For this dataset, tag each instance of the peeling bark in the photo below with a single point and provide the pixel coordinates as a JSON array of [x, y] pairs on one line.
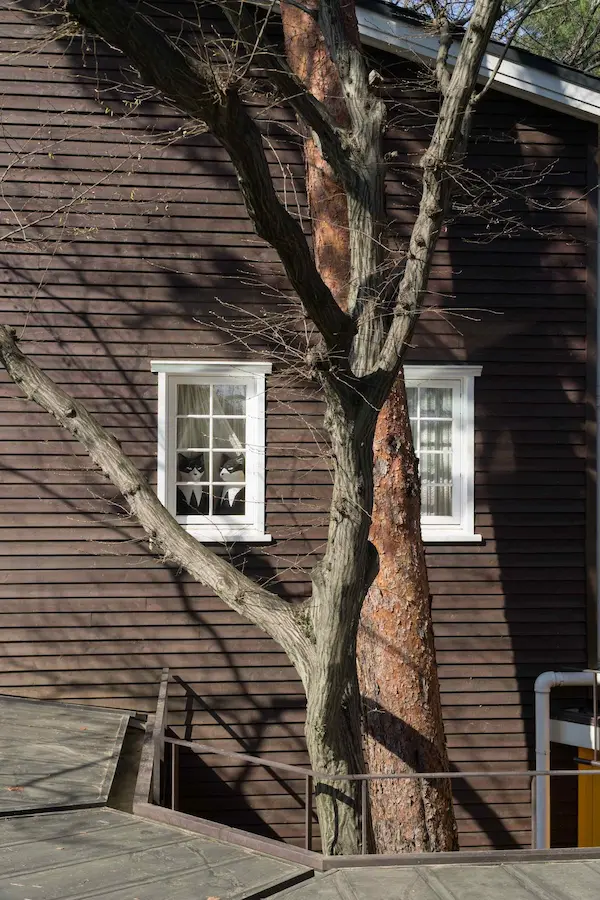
[[308, 58], [403, 726]]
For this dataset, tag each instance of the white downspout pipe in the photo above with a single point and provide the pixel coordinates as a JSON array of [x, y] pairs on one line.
[[543, 685]]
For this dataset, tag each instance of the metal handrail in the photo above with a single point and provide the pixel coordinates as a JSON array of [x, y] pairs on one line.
[[310, 775], [369, 776]]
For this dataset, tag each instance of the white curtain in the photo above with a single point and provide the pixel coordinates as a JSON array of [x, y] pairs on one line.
[[430, 411]]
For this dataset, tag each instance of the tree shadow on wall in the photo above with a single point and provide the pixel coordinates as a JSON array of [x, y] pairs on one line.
[[515, 605]]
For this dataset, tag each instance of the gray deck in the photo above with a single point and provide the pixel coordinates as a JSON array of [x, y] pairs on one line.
[[59, 841], [53, 755], [577, 880], [111, 855]]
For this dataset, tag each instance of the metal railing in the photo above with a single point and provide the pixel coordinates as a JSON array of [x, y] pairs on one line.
[[311, 777]]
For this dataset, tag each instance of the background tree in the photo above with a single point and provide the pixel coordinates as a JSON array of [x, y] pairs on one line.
[[567, 31], [363, 301]]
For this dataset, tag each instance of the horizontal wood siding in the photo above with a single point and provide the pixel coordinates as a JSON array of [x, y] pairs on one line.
[[122, 245]]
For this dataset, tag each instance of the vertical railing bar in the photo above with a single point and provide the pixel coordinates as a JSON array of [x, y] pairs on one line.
[[595, 717], [162, 736], [532, 793], [308, 791], [156, 767], [364, 815], [160, 724], [174, 761]]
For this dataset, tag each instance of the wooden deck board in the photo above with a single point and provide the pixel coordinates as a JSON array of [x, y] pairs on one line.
[[56, 755]]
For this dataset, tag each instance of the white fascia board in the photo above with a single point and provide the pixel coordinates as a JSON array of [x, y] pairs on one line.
[[575, 734], [545, 88], [418, 372], [210, 367]]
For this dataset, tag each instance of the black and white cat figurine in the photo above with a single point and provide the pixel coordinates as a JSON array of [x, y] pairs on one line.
[[233, 469], [192, 469]]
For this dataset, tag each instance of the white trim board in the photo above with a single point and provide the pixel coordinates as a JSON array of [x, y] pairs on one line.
[[575, 734]]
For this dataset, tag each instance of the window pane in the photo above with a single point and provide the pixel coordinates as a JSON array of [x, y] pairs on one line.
[[436, 468], [411, 396], [435, 435], [229, 500], [436, 402], [229, 433], [229, 399], [192, 467], [193, 433], [193, 399], [229, 467], [192, 500], [436, 501]]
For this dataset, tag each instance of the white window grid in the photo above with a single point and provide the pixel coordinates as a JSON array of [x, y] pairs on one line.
[[455, 440], [249, 527], [460, 525]]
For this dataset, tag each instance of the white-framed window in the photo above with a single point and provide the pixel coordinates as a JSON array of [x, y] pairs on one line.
[[441, 410], [211, 447]]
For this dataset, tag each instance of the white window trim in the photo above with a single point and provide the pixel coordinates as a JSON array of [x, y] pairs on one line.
[[172, 372], [460, 527]]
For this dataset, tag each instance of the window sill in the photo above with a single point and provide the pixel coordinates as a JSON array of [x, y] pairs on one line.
[[450, 537], [227, 535]]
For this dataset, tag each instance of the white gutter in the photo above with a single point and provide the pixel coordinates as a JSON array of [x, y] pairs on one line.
[[543, 685]]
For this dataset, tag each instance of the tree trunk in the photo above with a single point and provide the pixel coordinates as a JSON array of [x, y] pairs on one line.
[[340, 582], [333, 741], [309, 60], [403, 727], [410, 735]]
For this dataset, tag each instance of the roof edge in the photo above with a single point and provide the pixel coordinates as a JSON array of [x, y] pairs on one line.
[[519, 73]]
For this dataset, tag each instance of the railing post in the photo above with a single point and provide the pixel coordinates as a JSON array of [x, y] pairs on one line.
[[363, 807], [160, 723], [156, 766], [532, 794], [308, 792], [174, 776]]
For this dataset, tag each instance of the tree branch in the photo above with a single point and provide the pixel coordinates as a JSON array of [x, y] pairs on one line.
[[508, 40], [442, 70], [447, 148], [311, 110], [239, 592], [190, 83], [337, 20]]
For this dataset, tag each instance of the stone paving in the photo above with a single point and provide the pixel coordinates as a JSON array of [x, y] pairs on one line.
[[59, 840], [577, 880], [107, 854]]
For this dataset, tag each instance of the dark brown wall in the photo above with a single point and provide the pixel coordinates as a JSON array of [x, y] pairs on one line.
[[114, 247]]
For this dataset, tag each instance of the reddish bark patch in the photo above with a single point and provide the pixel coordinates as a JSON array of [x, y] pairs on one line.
[[404, 730]]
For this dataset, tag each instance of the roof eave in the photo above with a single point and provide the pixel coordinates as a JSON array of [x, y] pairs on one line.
[[514, 77]]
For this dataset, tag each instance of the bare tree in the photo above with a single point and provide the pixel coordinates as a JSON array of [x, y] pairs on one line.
[[364, 303], [565, 30]]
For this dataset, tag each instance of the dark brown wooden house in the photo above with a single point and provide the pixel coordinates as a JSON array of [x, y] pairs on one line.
[[127, 258]]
